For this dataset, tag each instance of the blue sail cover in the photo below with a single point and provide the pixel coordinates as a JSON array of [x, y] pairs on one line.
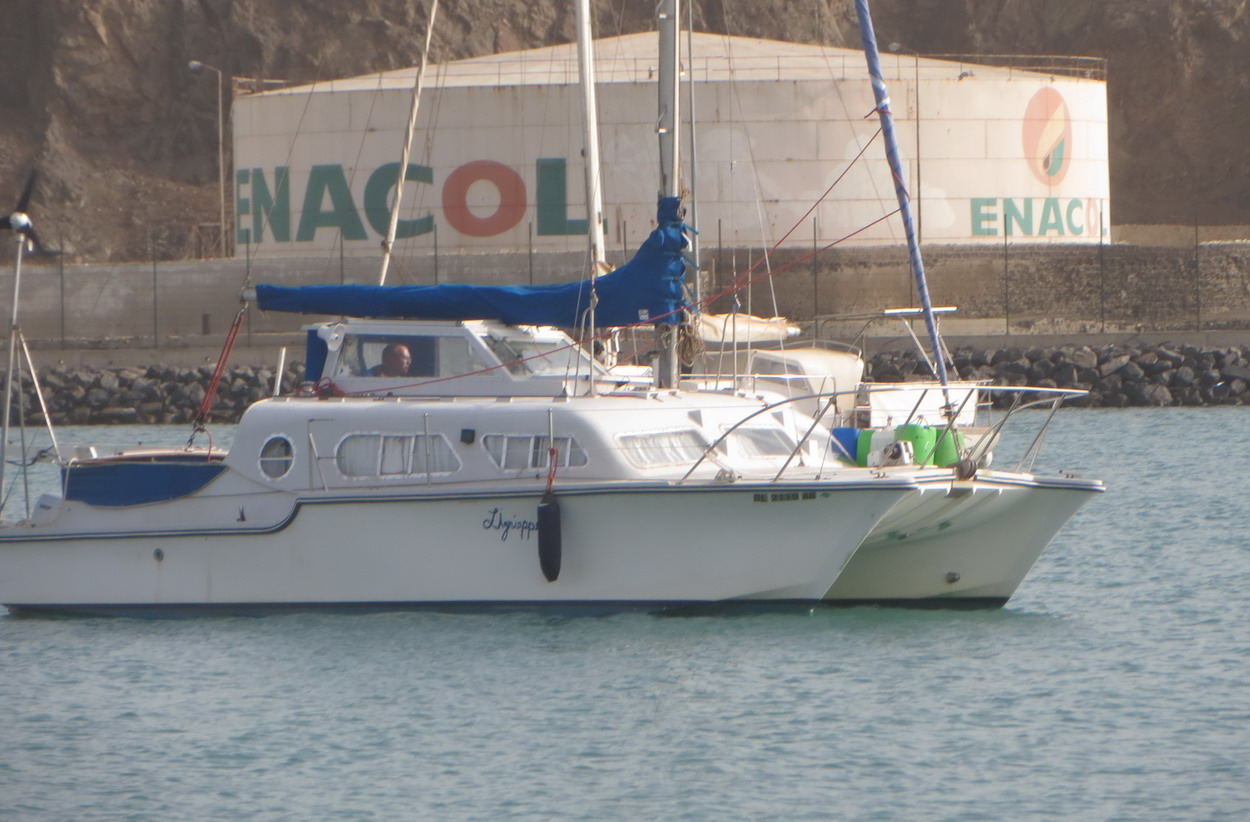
[[646, 289]]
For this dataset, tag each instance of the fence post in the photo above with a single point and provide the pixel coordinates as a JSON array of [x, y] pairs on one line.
[[815, 271], [1102, 275], [1197, 280], [155, 338], [60, 259], [1006, 285]]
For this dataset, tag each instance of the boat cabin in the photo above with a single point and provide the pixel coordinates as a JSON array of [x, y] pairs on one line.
[[468, 358]]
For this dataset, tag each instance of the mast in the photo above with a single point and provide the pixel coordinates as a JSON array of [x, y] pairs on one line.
[[882, 97], [403, 160], [590, 124], [669, 121], [668, 12], [590, 155], [693, 164]]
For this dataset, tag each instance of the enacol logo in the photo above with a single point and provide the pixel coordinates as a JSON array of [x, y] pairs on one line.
[[1048, 136], [1047, 132]]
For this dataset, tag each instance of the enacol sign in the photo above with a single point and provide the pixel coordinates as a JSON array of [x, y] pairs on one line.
[[263, 202], [1047, 145]]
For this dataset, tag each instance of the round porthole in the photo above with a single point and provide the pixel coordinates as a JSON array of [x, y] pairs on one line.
[[275, 457]]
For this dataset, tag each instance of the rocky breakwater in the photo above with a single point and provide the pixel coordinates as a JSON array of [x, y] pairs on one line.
[[1116, 376], [150, 396]]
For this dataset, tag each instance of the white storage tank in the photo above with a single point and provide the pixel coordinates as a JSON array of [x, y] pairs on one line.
[[993, 152]]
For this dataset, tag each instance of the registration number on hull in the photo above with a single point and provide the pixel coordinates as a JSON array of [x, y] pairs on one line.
[[786, 496]]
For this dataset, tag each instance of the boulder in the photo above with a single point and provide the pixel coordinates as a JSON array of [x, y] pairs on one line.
[[1083, 357], [1131, 372], [1113, 364], [1155, 394], [1183, 377]]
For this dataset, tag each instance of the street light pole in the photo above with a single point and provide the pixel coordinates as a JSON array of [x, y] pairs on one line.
[[197, 67]]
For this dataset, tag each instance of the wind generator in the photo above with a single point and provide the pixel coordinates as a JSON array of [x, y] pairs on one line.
[[19, 222]]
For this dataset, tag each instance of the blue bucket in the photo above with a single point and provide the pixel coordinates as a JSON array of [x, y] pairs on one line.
[[845, 443]]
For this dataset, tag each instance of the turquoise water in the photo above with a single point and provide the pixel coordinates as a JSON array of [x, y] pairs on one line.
[[1112, 687]]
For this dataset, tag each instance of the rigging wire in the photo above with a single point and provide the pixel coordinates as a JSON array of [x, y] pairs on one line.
[[393, 222], [730, 17]]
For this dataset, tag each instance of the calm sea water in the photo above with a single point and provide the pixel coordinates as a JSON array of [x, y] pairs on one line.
[[1112, 687]]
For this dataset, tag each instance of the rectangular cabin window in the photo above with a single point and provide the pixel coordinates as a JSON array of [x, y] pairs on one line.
[[763, 365], [662, 448], [759, 443], [357, 455], [433, 455], [456, 357], [518, 452], [410, 356], [395, 455], [395, 452], [524, 356], [568, 452]]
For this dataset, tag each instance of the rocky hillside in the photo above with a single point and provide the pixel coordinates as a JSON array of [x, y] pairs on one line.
[[97, 95]]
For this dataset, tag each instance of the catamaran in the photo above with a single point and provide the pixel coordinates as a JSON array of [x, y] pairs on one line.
[[538, 480], [504, 467]]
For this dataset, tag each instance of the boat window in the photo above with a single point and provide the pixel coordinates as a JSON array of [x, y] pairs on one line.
[[658, 448], [456, 356], [525, 356], [517, 452], [362, 355], [780, 368], [357, 455], [433, 455], [275, 457], [391, 455], [429, 355], [394, 457], [759, 443]]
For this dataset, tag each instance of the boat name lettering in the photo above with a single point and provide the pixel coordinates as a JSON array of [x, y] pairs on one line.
[[787, 496], [496, 521]]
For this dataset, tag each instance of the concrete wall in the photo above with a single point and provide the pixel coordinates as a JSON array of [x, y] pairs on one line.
[[1017, 288], [1012, 289]]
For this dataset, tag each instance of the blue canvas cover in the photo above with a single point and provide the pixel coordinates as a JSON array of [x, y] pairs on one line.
[[115, 484], [646, 289], [315, 356]]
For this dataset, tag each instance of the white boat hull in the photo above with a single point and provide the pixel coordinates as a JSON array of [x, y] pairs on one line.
[[634, 546], [969, 544]]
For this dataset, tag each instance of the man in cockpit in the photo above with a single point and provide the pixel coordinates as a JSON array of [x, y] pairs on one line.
[[396, 360]]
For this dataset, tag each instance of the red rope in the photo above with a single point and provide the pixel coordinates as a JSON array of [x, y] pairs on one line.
[[552, 454], [210, 395]]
